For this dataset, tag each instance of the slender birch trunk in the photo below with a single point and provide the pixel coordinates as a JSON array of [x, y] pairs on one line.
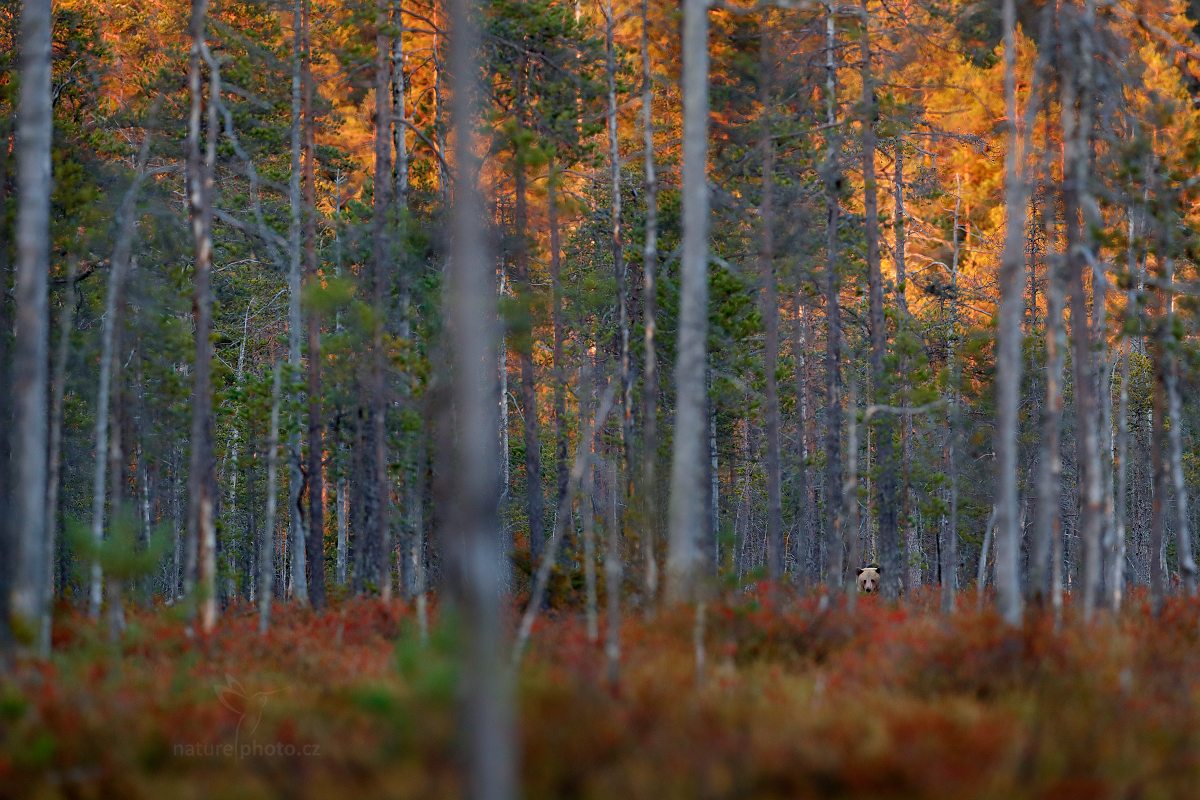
[[201, 478], [561, 433], [889, 535], [1008, 347], [202, 401], [770, 305], [589, 568], [1047, 525], [382, 289], [315, 539], [1076, 131], [650, 324], [535, 502], [400, 108], [949, 544], [35, 124], [1116, 577], [850, 493], [1183, 541], [343, 539], [587, 509], [612, 582], [833, 347], [1158, 511], [116, 462], [296, 535], [713, 517], [487, 732], [1106, 363], [418, 543], [803, 491], [266, 553], [907, 434], [619, 268], [686, 512], [58, 381]]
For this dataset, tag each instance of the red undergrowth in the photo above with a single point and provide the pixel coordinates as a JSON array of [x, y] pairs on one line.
[[794, 702]]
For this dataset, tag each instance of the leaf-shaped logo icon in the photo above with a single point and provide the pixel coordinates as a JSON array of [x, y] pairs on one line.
[[249, 707]]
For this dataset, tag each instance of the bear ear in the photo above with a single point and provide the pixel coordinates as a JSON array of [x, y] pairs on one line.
[[860, 571], [879, 570]]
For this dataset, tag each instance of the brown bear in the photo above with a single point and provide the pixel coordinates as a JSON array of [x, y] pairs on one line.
[[868, 579]]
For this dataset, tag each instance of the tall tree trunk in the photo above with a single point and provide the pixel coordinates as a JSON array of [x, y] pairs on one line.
[[1159, 472], [1008, 346], [400, 108], [296, 538], [201, 475], [487, 716], [770, 302], [529, 409], [127, 222], [587, 510], [561, 434], [713, 517], [949, 543], [833, 317], [420, 587], [381, 257], [850, 494], [1116, 576], [1183, 540], [202, 403], [686, 511], [315, 550], [34, 133], [803, 491], [266, 552], [618, 254], [907, 435], [8, 531], [116, 469], [1046, 527], [343, 539], [612, 581], [889, 536], [360, 493], [58, 381], [650, 323], [1076, 131]]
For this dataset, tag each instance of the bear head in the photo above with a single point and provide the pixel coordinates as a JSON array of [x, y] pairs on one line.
[[868, 579]]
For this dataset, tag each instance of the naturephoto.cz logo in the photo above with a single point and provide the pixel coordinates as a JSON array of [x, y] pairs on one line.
[[248, 708]]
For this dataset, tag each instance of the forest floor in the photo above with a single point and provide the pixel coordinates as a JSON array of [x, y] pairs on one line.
[[794, 702]]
